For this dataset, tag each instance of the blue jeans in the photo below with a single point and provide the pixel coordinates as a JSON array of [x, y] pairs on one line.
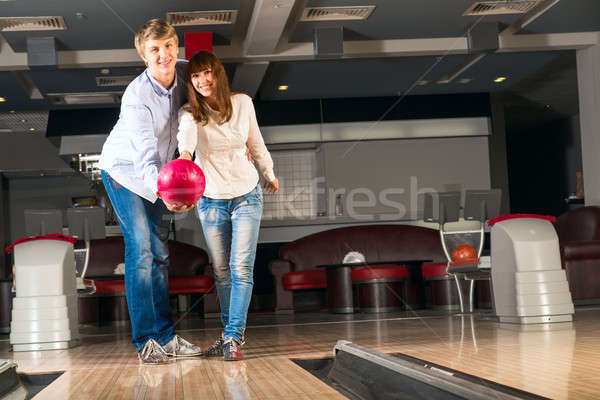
[[145, 228], [231, 231]]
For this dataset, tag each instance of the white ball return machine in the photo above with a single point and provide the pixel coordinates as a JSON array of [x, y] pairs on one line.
[[45, 315], [528, 281], [528, 284]]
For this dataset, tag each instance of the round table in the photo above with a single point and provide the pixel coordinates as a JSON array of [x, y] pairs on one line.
[[340, 299]]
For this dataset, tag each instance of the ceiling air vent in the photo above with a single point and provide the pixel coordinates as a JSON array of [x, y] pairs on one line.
[[15, 24], [336, 13], [124, 80], [85, 98], [193, 18], [501, 7]]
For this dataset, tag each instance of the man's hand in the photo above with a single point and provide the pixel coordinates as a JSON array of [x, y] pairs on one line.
[[175, 208], [178, 209], [271, 187]]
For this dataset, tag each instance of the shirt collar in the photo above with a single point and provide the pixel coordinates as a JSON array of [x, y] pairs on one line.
[[158, 88]]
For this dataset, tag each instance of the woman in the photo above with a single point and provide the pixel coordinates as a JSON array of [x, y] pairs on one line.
[[218, 125]]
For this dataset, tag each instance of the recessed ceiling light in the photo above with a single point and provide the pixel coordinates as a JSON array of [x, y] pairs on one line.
[[283, 87], [464, 80], [32, 129], [105, 71], [23, 120], [500, 79], [422, 83], [2, 99], [12, 111]]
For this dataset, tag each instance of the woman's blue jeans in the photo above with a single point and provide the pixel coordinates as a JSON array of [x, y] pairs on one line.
[[231, 231], [145, 228]]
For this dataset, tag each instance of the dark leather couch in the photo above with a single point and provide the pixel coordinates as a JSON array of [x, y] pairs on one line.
[[579, 236], [189, 273], [295, 269]]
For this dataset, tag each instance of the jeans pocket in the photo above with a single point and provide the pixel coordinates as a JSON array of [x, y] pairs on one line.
[[202, 203], [258, 193]]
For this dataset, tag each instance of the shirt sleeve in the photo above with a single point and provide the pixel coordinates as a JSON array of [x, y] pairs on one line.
[[256, 144], [187, 134], [144, 144]]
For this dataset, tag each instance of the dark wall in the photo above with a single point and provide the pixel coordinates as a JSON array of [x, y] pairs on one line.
[[295, 112], [543, 153]]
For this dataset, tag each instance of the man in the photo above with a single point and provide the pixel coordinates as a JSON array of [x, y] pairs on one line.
[[142, 141]]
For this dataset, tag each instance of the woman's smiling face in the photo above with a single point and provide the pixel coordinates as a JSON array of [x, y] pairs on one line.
[[204, 82]]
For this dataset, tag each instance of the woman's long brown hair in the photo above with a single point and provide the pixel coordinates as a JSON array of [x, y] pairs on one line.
[[201, 61]]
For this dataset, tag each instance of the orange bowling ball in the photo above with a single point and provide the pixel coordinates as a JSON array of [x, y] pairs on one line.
[[463, 253]]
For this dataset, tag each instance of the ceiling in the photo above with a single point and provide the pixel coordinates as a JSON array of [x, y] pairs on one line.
[[405, 47]]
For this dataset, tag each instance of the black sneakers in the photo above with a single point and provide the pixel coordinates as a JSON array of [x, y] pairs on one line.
[[216, 349]]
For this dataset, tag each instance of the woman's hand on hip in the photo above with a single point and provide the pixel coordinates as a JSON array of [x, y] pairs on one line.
[[249, 155], [271, 187]]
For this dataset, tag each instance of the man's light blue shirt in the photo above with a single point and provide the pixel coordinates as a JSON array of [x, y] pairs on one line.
[[145, 136]]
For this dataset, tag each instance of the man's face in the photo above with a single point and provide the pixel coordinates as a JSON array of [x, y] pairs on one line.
[[160, 55]]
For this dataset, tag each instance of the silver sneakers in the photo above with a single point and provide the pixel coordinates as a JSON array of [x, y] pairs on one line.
[[179, 347], [153, 353]]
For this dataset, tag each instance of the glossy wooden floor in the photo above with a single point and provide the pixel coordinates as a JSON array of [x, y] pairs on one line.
[[560, 361]]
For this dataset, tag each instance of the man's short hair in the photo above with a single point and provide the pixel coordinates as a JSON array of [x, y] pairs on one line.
[[154, 29]]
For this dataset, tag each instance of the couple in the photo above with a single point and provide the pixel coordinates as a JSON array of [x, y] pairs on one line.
[[173, 102]]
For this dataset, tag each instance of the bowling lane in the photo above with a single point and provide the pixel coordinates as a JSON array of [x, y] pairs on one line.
[[558, 361]]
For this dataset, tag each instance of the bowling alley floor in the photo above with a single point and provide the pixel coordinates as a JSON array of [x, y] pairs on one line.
[[558, 361]]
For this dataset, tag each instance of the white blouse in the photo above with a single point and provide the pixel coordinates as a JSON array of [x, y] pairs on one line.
[[221, 149]]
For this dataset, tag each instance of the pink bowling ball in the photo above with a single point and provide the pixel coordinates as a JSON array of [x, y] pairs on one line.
[[181, 183]]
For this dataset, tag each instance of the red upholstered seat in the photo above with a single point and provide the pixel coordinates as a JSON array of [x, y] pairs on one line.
[[434, 270], [109, 286], [379, 272], [190, 284], [177, 285], [310, 279]]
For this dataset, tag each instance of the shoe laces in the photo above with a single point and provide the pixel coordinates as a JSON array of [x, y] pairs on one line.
[[181, 342], [151, 347]]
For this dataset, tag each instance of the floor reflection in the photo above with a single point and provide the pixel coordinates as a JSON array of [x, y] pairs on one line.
[[236, 380], [538, 353]]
